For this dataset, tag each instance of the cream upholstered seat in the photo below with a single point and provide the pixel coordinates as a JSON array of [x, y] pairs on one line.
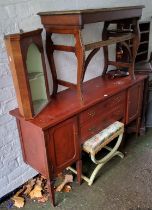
[[95, 144], [99, 141]]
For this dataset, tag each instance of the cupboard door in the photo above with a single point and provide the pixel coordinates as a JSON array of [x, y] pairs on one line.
[[63, 144], [134, 101]]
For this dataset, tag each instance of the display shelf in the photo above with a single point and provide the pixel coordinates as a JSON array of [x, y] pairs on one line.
[[142, 53], [144, 32]]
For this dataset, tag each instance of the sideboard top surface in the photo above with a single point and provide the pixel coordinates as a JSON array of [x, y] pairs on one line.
[[67, 103], [81, 17]]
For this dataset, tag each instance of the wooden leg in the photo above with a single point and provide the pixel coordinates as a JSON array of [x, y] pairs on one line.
[[105, 48], [89, 58], [49, 52], [135, 45], [80, 55], [51, 191], [138, 126], [79, 93], [79, 170]]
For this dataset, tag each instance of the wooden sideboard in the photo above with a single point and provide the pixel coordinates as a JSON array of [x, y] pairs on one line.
[[52, 141]]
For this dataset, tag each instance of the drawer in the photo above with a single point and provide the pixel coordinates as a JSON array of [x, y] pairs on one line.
[[105, 106], [99, 123]]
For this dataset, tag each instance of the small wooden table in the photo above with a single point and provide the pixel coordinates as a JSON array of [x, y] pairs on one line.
[[72, 22]]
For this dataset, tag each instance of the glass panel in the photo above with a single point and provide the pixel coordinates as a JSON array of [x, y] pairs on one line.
[[36, 78]]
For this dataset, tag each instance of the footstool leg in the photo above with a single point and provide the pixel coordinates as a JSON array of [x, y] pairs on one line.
[[120, 154], [94, 173], [79, 170], [100, 163]]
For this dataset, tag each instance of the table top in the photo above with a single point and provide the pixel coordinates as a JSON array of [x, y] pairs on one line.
[[77, 18], [85, 11]]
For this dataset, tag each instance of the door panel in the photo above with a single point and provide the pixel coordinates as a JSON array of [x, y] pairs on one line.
[[134, 100], [64, 144]]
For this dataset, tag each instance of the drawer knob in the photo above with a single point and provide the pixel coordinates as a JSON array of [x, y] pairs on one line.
[[93, 130]]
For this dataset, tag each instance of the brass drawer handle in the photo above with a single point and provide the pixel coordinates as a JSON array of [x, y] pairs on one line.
[[92, 114], [92, 129]]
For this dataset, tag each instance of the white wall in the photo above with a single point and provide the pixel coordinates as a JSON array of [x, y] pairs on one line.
[[21, 14]]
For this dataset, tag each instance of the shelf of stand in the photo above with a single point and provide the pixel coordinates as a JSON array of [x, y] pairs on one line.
[[144, 32], [35, 75], [144, 42], [110, 41], [143, 52]]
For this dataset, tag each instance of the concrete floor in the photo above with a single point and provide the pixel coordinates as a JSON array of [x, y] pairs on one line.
[[121, 185]]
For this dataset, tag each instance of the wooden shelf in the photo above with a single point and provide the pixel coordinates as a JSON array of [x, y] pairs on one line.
[[144, 32], [141, 43], [143, 52], [35, 75], [144, 42], [110, 41]]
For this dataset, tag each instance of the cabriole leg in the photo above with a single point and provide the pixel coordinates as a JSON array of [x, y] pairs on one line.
[[51, 191], [79, 170]]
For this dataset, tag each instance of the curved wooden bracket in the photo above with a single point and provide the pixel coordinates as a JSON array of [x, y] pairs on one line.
[[128, 48], [105, 48], [90, 56], [49, 52]]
